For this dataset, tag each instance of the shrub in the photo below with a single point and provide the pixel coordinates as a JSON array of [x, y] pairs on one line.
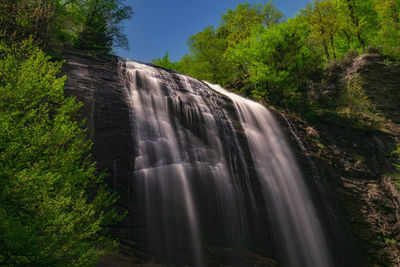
[[52, 200], [354, 102]]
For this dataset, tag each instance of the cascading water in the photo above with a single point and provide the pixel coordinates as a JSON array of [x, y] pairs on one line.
[[210, 173], [282, 184]]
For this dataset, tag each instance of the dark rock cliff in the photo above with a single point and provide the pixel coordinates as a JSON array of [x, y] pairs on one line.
[[354, 163], [381, 83], [95, 82], [353, 191]]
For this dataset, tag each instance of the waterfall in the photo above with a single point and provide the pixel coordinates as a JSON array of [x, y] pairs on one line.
[[282, 184], [212, 172]]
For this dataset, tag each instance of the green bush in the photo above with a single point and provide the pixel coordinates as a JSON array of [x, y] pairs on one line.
[[52, 200], [355, 102], [396, 176]]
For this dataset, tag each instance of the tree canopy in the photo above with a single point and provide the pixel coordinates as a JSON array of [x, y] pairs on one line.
[[85, 24], [258, 53], [52, 200]]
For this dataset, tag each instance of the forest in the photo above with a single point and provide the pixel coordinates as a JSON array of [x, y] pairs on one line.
[[55, 206], [258, 53]]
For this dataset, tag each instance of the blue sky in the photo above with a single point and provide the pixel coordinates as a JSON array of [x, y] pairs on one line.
[[165, 25]]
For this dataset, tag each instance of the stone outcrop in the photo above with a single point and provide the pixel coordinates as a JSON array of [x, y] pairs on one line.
[[381, 83]]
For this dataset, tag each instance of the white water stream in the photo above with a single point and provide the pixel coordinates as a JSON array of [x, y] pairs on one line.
[[194, 179]]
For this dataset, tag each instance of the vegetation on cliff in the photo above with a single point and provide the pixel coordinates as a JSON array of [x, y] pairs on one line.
[[396, 177], [54, 206]]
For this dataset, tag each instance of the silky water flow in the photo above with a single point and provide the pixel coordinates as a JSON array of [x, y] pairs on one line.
[[212, 170]]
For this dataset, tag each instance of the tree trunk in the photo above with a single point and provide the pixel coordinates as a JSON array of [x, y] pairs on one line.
[[395, 9], [326, 51], [333, 47], [361, 40], [356, 24]]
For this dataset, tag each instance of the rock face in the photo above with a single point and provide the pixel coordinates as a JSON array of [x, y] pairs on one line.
[[381, 82], [354, 163], [345, 168], [353, 167], [95, 82]]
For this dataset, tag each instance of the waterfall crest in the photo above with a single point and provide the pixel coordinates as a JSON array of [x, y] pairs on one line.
[[212, 170]]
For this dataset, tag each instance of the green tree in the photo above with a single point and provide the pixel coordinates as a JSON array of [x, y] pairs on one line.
[[237, 26], [101, 29], [321, 17], [210, 49], [87, 24], [52, 201], [20, 19], [280, 60], [206, 51], [389, 33], [359, 19], [239, 22], [165, 62]]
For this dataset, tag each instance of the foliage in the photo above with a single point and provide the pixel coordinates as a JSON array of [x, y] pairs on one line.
[[397, 152], [321, 17], [210, 49], [165, 62], [20, 19], [279, 61], [256, 52], [238, 23], [359, 20], [52, 201], [396, 176], [207, 49], [101, 27], [354, 101], [388, 36], [85, 24]]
